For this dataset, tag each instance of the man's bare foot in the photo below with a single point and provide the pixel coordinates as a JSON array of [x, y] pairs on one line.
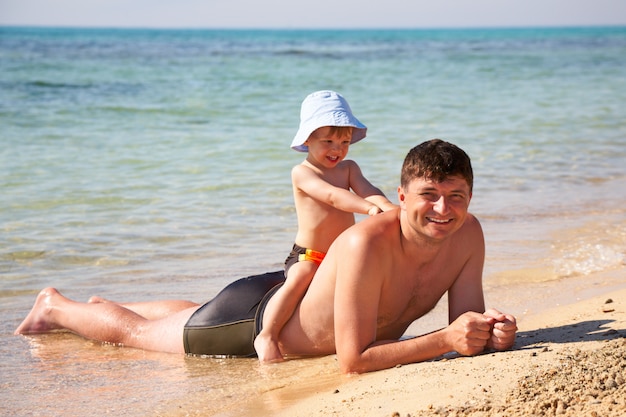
[[38, 320], [96, 299]]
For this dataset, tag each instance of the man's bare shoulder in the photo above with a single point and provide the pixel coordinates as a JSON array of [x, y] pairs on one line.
[[472, 225], [469, 239], [379, 230]]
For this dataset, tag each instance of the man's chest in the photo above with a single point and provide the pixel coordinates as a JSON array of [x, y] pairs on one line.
[[413, 297]]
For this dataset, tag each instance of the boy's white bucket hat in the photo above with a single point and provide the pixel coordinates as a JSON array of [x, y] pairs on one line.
[[325, 108]]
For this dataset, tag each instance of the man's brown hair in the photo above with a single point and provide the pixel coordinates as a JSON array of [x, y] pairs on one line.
[[436, 160]]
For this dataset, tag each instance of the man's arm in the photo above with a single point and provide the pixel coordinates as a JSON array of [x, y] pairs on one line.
[[360, 280], [466, 294], [357, 298]]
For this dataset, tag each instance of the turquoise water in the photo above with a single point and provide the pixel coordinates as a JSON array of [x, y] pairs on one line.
[[143, 164]]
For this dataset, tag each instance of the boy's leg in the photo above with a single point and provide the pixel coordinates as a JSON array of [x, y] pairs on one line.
[[106, 322], [280, 308]]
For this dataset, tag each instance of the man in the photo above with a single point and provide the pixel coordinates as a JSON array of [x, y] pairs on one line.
[[377, 278]]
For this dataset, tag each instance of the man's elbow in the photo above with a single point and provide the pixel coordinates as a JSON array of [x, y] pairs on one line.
[[352, 365], [351, 370]]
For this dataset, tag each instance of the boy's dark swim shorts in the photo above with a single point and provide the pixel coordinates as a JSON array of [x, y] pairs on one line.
[[228, 324], [299, 254]]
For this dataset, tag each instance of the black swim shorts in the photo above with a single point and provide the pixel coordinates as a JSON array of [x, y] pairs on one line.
[[228, 324]]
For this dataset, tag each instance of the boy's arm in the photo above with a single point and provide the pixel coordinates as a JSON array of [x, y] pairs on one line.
[[381, 202], [311, 184], [365, 189]]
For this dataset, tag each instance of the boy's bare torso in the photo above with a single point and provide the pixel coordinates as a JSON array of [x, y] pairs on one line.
[[318, 222]]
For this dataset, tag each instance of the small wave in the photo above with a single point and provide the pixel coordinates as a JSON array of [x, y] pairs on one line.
[[22, 255], [587, 258], [49, 84], [521, 276]]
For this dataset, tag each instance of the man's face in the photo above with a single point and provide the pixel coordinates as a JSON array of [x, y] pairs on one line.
[[435, 210]]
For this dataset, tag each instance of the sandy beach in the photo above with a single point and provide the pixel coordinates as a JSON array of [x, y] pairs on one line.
[[568, 361]]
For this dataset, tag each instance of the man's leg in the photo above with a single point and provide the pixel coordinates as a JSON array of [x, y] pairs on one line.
[[151, 310], [105, 322]]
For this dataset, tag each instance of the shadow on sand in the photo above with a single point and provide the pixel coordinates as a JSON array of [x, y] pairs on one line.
[[584, 331]]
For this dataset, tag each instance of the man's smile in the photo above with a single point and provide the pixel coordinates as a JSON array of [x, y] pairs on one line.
[[439, 221]]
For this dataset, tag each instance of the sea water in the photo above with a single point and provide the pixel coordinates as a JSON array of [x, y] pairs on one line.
[[150, 164]]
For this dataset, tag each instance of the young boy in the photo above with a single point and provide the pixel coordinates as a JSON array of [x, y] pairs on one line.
[[328, 190]]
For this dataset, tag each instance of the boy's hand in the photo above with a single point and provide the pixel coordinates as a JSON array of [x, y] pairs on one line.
[[374, 211]]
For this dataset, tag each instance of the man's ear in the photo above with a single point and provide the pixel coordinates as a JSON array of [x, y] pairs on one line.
[[401, 196]]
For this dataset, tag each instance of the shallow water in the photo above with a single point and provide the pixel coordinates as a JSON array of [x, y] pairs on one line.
[[140, 165]]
